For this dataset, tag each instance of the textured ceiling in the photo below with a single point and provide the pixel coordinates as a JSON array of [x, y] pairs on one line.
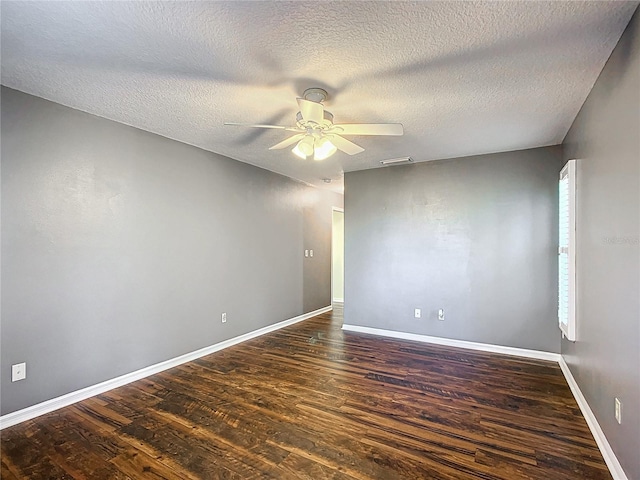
[[463, 78]]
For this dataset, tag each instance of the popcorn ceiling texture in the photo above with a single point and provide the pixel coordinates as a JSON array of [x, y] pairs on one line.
[[464, 78]]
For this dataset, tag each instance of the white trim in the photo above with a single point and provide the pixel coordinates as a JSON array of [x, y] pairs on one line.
[[601, 440], [568, 172], [34, 411], [609, 456], [340, 210], [485, 347], [603, 444]]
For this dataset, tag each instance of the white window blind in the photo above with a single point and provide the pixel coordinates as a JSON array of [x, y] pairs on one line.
[[567, 251]]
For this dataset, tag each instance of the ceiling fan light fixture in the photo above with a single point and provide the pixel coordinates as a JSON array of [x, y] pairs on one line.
[[298, 153], [315, 133], [306, 145], [324, 149]]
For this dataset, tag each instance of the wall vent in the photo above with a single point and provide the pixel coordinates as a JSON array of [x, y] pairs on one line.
[[397, 161]]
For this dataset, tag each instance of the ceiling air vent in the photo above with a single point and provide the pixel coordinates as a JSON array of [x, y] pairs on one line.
[[397, 161]]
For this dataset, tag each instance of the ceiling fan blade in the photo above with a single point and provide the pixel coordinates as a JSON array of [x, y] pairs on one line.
[[289, 141], [279, 127], [345, 145], [311, 111], [369, 129]]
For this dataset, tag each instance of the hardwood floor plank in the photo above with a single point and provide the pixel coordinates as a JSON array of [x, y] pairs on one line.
[[313, 402], [8, 471], [297, 466], [137, 464]]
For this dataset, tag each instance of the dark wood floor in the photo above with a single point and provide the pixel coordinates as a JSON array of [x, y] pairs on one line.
[[312, 402]]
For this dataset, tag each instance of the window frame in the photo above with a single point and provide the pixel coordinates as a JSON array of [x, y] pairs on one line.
[[567, 319]]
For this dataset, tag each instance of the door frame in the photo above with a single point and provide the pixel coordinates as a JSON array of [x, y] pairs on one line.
[[341, 210]]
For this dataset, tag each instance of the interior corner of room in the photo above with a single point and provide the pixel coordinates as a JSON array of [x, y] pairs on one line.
[[125, 252]]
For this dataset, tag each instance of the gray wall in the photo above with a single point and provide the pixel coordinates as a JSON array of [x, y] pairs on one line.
[[476, 236], [605, 138], [121, 248]]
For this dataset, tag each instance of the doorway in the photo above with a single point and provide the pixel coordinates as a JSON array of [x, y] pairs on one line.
[[337, 255]]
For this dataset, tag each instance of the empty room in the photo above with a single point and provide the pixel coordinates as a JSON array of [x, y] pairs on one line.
[[320, 240]]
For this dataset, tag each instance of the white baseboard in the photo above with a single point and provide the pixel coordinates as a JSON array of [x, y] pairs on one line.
[[34, 411], [338, 300], [70, 398], [485, 347], [603, 444], [607, 452]]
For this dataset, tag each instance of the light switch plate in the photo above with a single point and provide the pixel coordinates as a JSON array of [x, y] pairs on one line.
[[618, 410]]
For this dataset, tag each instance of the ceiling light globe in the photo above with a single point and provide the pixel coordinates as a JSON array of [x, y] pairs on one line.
[[306, 145], [324, 149], [298, 153]]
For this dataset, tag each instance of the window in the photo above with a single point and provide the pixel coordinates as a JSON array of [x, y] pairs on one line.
[[567, 251]]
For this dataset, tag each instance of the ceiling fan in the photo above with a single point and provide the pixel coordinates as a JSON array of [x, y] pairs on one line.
[[317, 135]]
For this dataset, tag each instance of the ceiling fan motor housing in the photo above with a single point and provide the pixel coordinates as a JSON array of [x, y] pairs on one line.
[[326, 123]]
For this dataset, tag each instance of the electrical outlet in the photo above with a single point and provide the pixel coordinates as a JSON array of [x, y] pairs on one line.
[[306, 253], [618, 411], [441, 314], [224, 317], [18, 372], [417, 313], [311, 253]]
